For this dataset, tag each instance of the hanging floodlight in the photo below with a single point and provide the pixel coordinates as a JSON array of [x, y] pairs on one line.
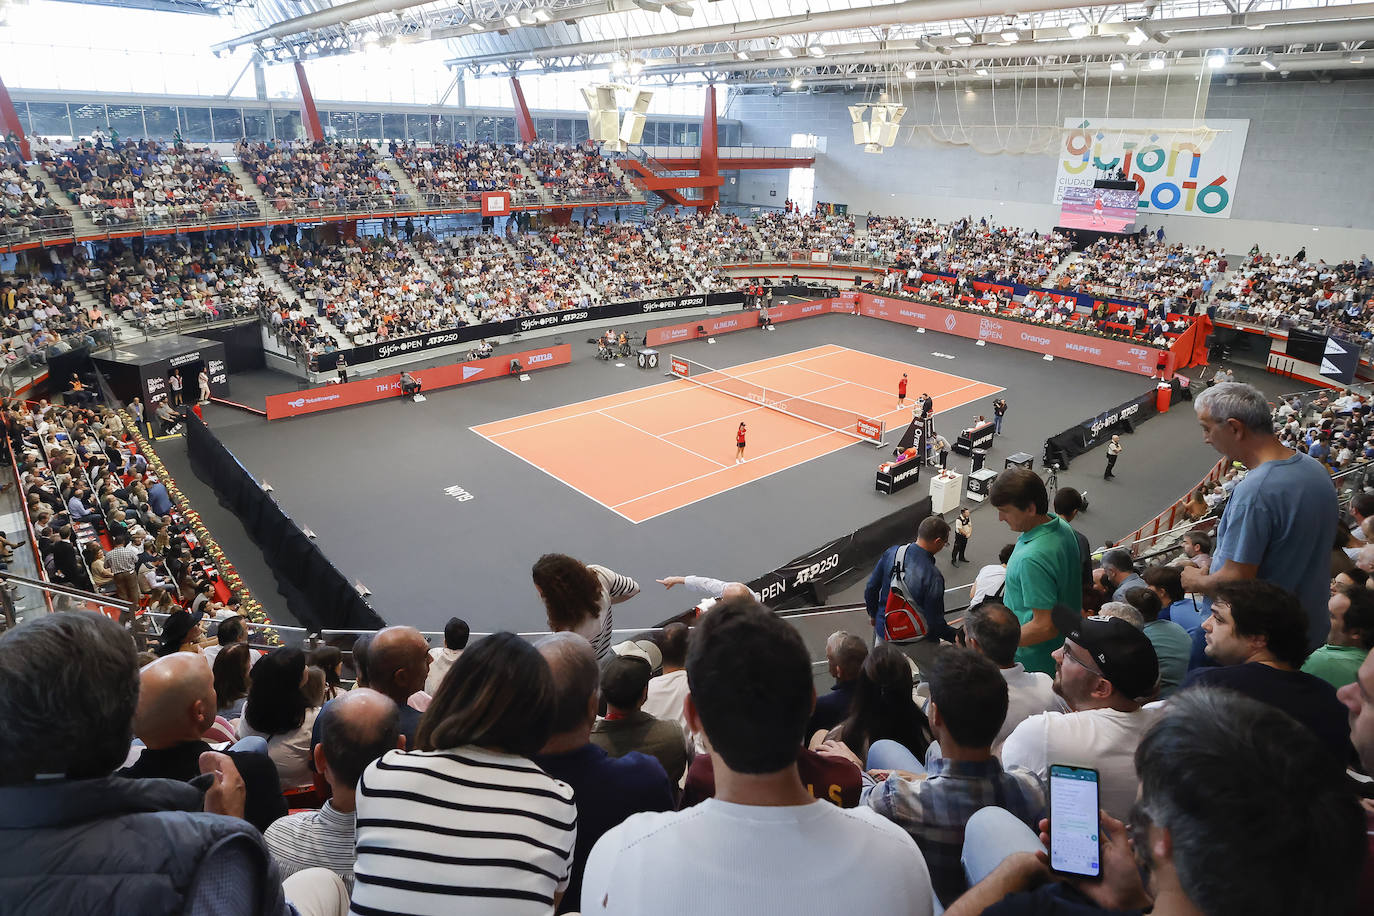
[[879, 130]]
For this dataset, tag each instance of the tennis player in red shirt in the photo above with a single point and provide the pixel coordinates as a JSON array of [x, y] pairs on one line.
[[901, 392], [739, 444]]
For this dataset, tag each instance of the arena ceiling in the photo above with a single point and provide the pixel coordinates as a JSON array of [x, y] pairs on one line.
[[826, 42]]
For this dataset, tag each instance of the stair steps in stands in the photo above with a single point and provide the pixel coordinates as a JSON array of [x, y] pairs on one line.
[[80, 220], [276, 281], [403, 183], [247, 182]]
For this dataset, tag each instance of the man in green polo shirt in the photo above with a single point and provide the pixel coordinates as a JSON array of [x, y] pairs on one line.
[[1045, 566], [1351, 637]]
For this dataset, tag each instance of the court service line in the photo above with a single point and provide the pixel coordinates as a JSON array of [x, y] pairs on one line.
[[663, 394], [539, 467], [661, 439], [775, 451], [759, 407], [892, 392], [887, 359]]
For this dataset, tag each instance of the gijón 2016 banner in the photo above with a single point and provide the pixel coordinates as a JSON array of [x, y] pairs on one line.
[[1180, 167]]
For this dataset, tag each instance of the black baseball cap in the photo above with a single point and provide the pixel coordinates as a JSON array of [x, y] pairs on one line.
[[1123, 654]]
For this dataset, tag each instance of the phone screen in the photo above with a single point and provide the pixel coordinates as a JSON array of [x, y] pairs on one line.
[[1075, 847]]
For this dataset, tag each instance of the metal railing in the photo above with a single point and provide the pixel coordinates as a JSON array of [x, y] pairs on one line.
[[22, 597]]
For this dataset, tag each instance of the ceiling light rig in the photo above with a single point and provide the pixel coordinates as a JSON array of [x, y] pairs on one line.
[[879, 130]]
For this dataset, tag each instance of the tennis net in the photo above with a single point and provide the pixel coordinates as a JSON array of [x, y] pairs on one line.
[[833, 418]]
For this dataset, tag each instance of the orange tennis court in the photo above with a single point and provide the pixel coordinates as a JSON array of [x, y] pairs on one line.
[[649, 451]]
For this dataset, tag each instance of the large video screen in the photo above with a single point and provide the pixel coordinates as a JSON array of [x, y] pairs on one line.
[[1100, 209]]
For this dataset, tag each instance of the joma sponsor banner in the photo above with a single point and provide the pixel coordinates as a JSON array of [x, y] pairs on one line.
[[328, 397]]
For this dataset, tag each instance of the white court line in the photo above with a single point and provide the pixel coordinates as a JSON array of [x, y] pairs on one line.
[[661, 439], [888, 359], [675, 388], [726, 468], [761, 407], [565, 483]]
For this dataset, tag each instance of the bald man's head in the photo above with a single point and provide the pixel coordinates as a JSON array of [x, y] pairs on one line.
[[576, 677], [355, 730], [735, 590], [176, 700], [398, 662]]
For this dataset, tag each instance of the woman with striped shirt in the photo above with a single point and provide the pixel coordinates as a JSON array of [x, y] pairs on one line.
[[578, 597], [467, 823]]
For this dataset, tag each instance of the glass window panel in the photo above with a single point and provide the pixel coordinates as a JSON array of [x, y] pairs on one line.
[[255, 123], [486, 129], [563, 130], [195, 125], [161, 121], [544, 128], [441, 128], [505, 130], [288, 125], [417, 127], [393, 126], [731, 133], [86, 118], [47, 119], [128, 120], [462, 128], [344, 124], [580, 131], [369, 125], [227, 123]]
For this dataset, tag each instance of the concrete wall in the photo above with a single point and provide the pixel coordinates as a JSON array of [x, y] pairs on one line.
[[1302, 165]]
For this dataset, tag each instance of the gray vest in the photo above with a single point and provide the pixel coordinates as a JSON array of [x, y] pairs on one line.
[[114, 846]]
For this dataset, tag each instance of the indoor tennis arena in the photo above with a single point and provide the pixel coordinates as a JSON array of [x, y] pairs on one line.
[[535, 386]]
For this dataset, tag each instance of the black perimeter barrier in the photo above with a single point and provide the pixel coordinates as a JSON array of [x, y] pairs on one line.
[[1124, 418], [806, 580], [325, 362], [318, 595]]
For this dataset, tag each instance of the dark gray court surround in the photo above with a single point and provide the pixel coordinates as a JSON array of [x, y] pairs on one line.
[[373, 481]]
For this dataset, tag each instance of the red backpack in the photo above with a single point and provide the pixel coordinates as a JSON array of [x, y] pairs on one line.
[[903, 619]]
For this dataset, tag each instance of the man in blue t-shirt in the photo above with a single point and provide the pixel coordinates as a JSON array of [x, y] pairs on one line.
[[1280, 521]]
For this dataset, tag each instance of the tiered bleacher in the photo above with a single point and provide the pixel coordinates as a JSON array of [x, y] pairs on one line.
[[1271, 290], [162, 284], [300, 176], [574, 173], [148, 182], [458, 174], [25, 207]]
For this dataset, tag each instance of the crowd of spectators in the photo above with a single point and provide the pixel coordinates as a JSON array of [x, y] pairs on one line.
[[572, 173], [1178, 277], [1338, 431], [152, 284], [147, 182], [40, 316], [451, 174], [301, 176], [1276, 290], [25, 207]]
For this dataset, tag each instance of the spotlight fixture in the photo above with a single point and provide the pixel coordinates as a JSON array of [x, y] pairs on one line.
[[1136, 36], [1156, 63], [513, 20], [1216, 60], [1267, 62], [964, 39], [1080, 30], [636, 67], [816, 50], [619, 67], [1356, 58], [542, 15], [796, 82], [981, 71], [784, 51], [1011, 36], [1118, 66], [681, 9], [527, 18], [910, 73], [477, 27], [741, 54]]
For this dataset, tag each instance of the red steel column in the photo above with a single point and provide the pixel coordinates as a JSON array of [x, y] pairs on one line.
[[9, 120], [523, 122], [309, 115], [710, 153]]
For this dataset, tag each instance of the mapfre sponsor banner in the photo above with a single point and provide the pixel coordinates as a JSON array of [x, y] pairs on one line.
[[794, 310], [1179, 168], [329, 397], [709, 325], [1082, 348]]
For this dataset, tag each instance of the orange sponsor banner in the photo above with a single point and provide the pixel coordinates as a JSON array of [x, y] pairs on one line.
[[706, 326], [330, 397]]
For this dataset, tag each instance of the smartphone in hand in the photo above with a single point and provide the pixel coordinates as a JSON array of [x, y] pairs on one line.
[[1075, 832]]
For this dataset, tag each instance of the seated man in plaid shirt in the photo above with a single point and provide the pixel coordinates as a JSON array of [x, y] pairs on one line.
[[933, 802]]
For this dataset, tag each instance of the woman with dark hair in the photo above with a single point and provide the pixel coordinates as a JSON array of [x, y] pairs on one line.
[[180, 633], [329, 660], [232, 677], [276, 710], [883, 707], [578, 597], [470, 770]]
